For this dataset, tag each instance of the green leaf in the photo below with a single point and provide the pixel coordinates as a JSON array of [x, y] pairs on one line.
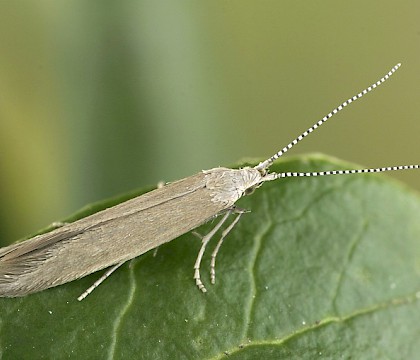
[[321, 268]]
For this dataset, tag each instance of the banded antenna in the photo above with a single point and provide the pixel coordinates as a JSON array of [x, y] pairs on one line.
[[262, 166]]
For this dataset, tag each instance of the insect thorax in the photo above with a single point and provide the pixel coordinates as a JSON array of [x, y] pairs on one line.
[[229, 185]]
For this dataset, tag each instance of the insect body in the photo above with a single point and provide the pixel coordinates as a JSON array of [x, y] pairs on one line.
[[122, 232]]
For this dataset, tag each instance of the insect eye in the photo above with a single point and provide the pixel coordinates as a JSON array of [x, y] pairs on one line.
[[250, 190]]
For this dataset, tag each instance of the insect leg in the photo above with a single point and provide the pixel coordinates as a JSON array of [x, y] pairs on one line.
[[205, 240], [58, 224], [239, 213], [99, 281]]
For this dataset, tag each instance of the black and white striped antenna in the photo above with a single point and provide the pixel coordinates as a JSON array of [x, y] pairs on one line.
[[264, 165]]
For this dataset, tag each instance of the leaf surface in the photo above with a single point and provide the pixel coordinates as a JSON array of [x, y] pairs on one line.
[[320, 268]]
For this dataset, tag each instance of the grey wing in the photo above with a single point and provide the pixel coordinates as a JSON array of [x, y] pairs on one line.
[[21, 257], [116, 234]]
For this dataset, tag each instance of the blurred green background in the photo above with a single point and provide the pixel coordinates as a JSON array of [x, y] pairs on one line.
[[101, 97]]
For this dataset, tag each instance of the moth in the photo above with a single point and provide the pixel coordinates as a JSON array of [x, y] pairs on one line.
[[115, 235]]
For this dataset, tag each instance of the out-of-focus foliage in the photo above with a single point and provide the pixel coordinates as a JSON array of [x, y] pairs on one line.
[[98, 98]]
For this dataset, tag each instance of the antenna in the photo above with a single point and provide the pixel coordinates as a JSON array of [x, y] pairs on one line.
[[267, 163], [274, 176]]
